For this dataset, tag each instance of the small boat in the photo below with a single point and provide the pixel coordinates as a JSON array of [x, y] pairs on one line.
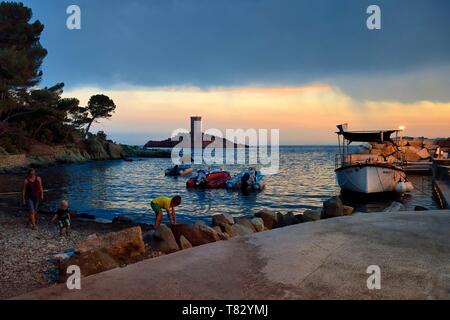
[[248, 179], [371, 175], [179, 171], [209, 180]]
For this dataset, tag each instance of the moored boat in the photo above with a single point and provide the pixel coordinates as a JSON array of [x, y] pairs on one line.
[[179, 170], [368, 174], [248, 179], [209, 180]]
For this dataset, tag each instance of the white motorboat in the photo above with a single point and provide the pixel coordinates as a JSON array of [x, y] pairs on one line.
[[359, 173]]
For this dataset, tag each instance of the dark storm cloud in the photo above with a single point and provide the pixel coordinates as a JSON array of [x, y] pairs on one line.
[[245, 42]]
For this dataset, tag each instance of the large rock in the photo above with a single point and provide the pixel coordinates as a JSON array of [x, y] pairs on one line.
[[376, 152], [416, 143], [269, 217], [96, 149], [311, 215], [184, 243], [332, 208], [89, 262], [221, 219], [123, 246], [258, 224], [208, 232], [424, 154], [246, 223], [162, 239], [388, 151], [115, 151], [287, 219], [228, 230], [240, 230], [197, 236]]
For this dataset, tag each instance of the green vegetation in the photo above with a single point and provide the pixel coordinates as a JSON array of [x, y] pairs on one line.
[[29, 114]]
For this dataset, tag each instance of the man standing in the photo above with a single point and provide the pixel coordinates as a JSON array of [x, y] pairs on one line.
[[32, 194]]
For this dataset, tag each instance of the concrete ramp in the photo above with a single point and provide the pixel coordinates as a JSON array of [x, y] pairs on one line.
[[319, 260]]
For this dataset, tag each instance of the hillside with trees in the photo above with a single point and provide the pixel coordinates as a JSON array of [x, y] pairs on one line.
[[37, 121]]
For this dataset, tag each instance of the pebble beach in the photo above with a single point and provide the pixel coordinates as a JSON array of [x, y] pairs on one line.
[[26, 262]]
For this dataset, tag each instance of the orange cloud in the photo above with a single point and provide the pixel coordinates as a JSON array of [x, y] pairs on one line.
[[306, 114]]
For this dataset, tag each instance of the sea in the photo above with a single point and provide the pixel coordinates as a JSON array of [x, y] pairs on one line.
[[106, 189]]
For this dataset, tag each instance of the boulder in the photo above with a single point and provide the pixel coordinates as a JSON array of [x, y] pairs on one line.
[[258, 224], [247, 223], [416, 143], [332, 208], [208, 232], [122, 219], [269, 217], [184, 243], [348, 210], [376, 152], [394, 207], [287, 219], [378, 146], [90, 262], [228, 230], [311, 215], [388, 151], [115, 151], [218, 229], [424, 154], [123, 246], [195, 235], [199, 223], [221, 219], [162, 239], [240, 230]]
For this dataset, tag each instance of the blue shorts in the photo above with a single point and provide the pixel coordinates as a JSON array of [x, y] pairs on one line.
[[32, 205]]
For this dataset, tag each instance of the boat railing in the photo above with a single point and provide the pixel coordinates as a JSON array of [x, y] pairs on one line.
[[355, 159]]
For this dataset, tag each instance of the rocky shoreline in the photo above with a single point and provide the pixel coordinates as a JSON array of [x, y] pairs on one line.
[[34, 259], [42, 155]]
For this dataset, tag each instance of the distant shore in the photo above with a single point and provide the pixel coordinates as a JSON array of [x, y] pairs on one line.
[[41, 155]]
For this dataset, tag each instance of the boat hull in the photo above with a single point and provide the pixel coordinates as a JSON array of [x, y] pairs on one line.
[[369, 178]]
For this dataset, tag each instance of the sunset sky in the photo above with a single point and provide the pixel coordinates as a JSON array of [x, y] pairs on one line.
[[298, 66]]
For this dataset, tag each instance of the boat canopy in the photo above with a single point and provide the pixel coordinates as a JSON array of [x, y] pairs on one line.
[[368, 136]]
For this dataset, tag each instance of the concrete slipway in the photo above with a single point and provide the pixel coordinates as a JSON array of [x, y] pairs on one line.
[[319, 260]]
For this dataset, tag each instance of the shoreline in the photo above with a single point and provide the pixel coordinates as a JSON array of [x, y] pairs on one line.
[[41, 156], [26, 263]]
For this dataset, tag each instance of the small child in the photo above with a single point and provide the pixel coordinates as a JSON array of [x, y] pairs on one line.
[[63, 217]]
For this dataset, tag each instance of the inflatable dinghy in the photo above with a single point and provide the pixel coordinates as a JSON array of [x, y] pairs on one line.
[[179, 171], [209, 180], [248, 179]]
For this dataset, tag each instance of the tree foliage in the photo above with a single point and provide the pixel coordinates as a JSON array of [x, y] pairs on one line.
[[29, 113]]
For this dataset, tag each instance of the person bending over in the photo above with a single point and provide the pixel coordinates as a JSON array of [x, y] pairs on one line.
[[169, 205]]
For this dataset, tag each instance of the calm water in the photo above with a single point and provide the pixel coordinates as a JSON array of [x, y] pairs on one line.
[[109, 188]]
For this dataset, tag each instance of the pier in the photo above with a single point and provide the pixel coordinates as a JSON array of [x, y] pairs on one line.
[[327, 259], [441, 182]]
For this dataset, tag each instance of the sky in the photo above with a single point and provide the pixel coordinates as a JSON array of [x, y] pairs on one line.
[[301, 66]]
